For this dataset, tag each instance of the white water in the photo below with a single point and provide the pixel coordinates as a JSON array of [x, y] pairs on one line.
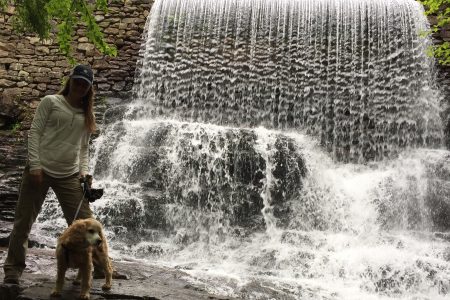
[[354, 73], [333, 245]]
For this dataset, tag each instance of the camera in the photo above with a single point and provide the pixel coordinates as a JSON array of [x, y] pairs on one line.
[[89, 193]]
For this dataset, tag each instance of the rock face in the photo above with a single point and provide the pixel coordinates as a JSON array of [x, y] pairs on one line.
[[226, 174], [443, 75], [12, 162]]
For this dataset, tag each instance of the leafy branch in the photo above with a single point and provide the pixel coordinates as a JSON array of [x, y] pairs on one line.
[[440, 8], [39, 16]]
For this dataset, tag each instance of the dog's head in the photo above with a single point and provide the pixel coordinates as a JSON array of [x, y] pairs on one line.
[[85, 232], [93, 233]]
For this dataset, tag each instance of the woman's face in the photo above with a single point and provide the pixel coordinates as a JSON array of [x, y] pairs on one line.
[[79, 87]]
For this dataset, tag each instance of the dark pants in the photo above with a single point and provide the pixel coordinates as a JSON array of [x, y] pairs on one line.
[[69, 193]]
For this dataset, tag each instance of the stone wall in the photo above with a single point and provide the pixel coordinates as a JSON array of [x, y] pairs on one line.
[[30, 68]]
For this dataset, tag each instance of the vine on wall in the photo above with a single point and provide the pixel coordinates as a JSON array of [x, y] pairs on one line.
[[441, 9]]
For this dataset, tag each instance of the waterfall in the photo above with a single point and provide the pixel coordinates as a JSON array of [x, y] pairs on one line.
[[280, 149], [354, 73]]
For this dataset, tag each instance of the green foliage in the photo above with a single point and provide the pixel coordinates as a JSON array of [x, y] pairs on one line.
[[39, 16], [4, 4], [440, 8], [16, 127]]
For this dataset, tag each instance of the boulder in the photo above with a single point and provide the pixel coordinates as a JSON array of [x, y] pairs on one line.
[[9, 110]]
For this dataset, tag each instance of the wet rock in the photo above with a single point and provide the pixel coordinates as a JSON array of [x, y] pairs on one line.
[[226, 167], [6, 227], [9, 108], [146, 282], [13, 153]]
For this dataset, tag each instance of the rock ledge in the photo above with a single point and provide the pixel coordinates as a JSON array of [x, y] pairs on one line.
[[146, 282]]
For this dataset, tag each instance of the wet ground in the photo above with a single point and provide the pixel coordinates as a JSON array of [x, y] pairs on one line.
[[145, 281]]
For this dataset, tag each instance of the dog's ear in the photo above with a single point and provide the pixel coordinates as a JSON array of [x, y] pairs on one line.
[[103, 246], [76, 234]]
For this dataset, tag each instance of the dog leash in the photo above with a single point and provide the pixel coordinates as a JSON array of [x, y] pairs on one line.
[[81, 201]]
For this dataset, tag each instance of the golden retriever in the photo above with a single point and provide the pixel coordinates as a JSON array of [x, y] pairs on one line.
[[82, 244]]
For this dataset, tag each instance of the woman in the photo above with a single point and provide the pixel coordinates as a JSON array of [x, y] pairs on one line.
[[58, 144]]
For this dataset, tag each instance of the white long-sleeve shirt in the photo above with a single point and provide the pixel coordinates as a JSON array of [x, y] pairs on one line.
[[58, 141]]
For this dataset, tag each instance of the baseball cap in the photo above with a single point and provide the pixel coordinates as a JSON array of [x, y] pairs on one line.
[[83, 72]]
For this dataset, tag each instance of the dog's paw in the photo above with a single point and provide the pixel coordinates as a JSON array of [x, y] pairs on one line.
[[76, 282], [106, 287], [55, 293], [84, 297]]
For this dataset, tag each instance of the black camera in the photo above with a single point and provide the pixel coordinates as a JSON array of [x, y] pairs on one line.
[[89, 193]]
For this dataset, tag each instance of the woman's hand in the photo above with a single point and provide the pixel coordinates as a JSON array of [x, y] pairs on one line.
[[36, 176]]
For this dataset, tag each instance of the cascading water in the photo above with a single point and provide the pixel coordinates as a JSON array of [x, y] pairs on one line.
[[352, 72], [232, 162]]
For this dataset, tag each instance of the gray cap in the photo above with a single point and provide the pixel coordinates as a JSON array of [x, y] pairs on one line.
[[83, 72]]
